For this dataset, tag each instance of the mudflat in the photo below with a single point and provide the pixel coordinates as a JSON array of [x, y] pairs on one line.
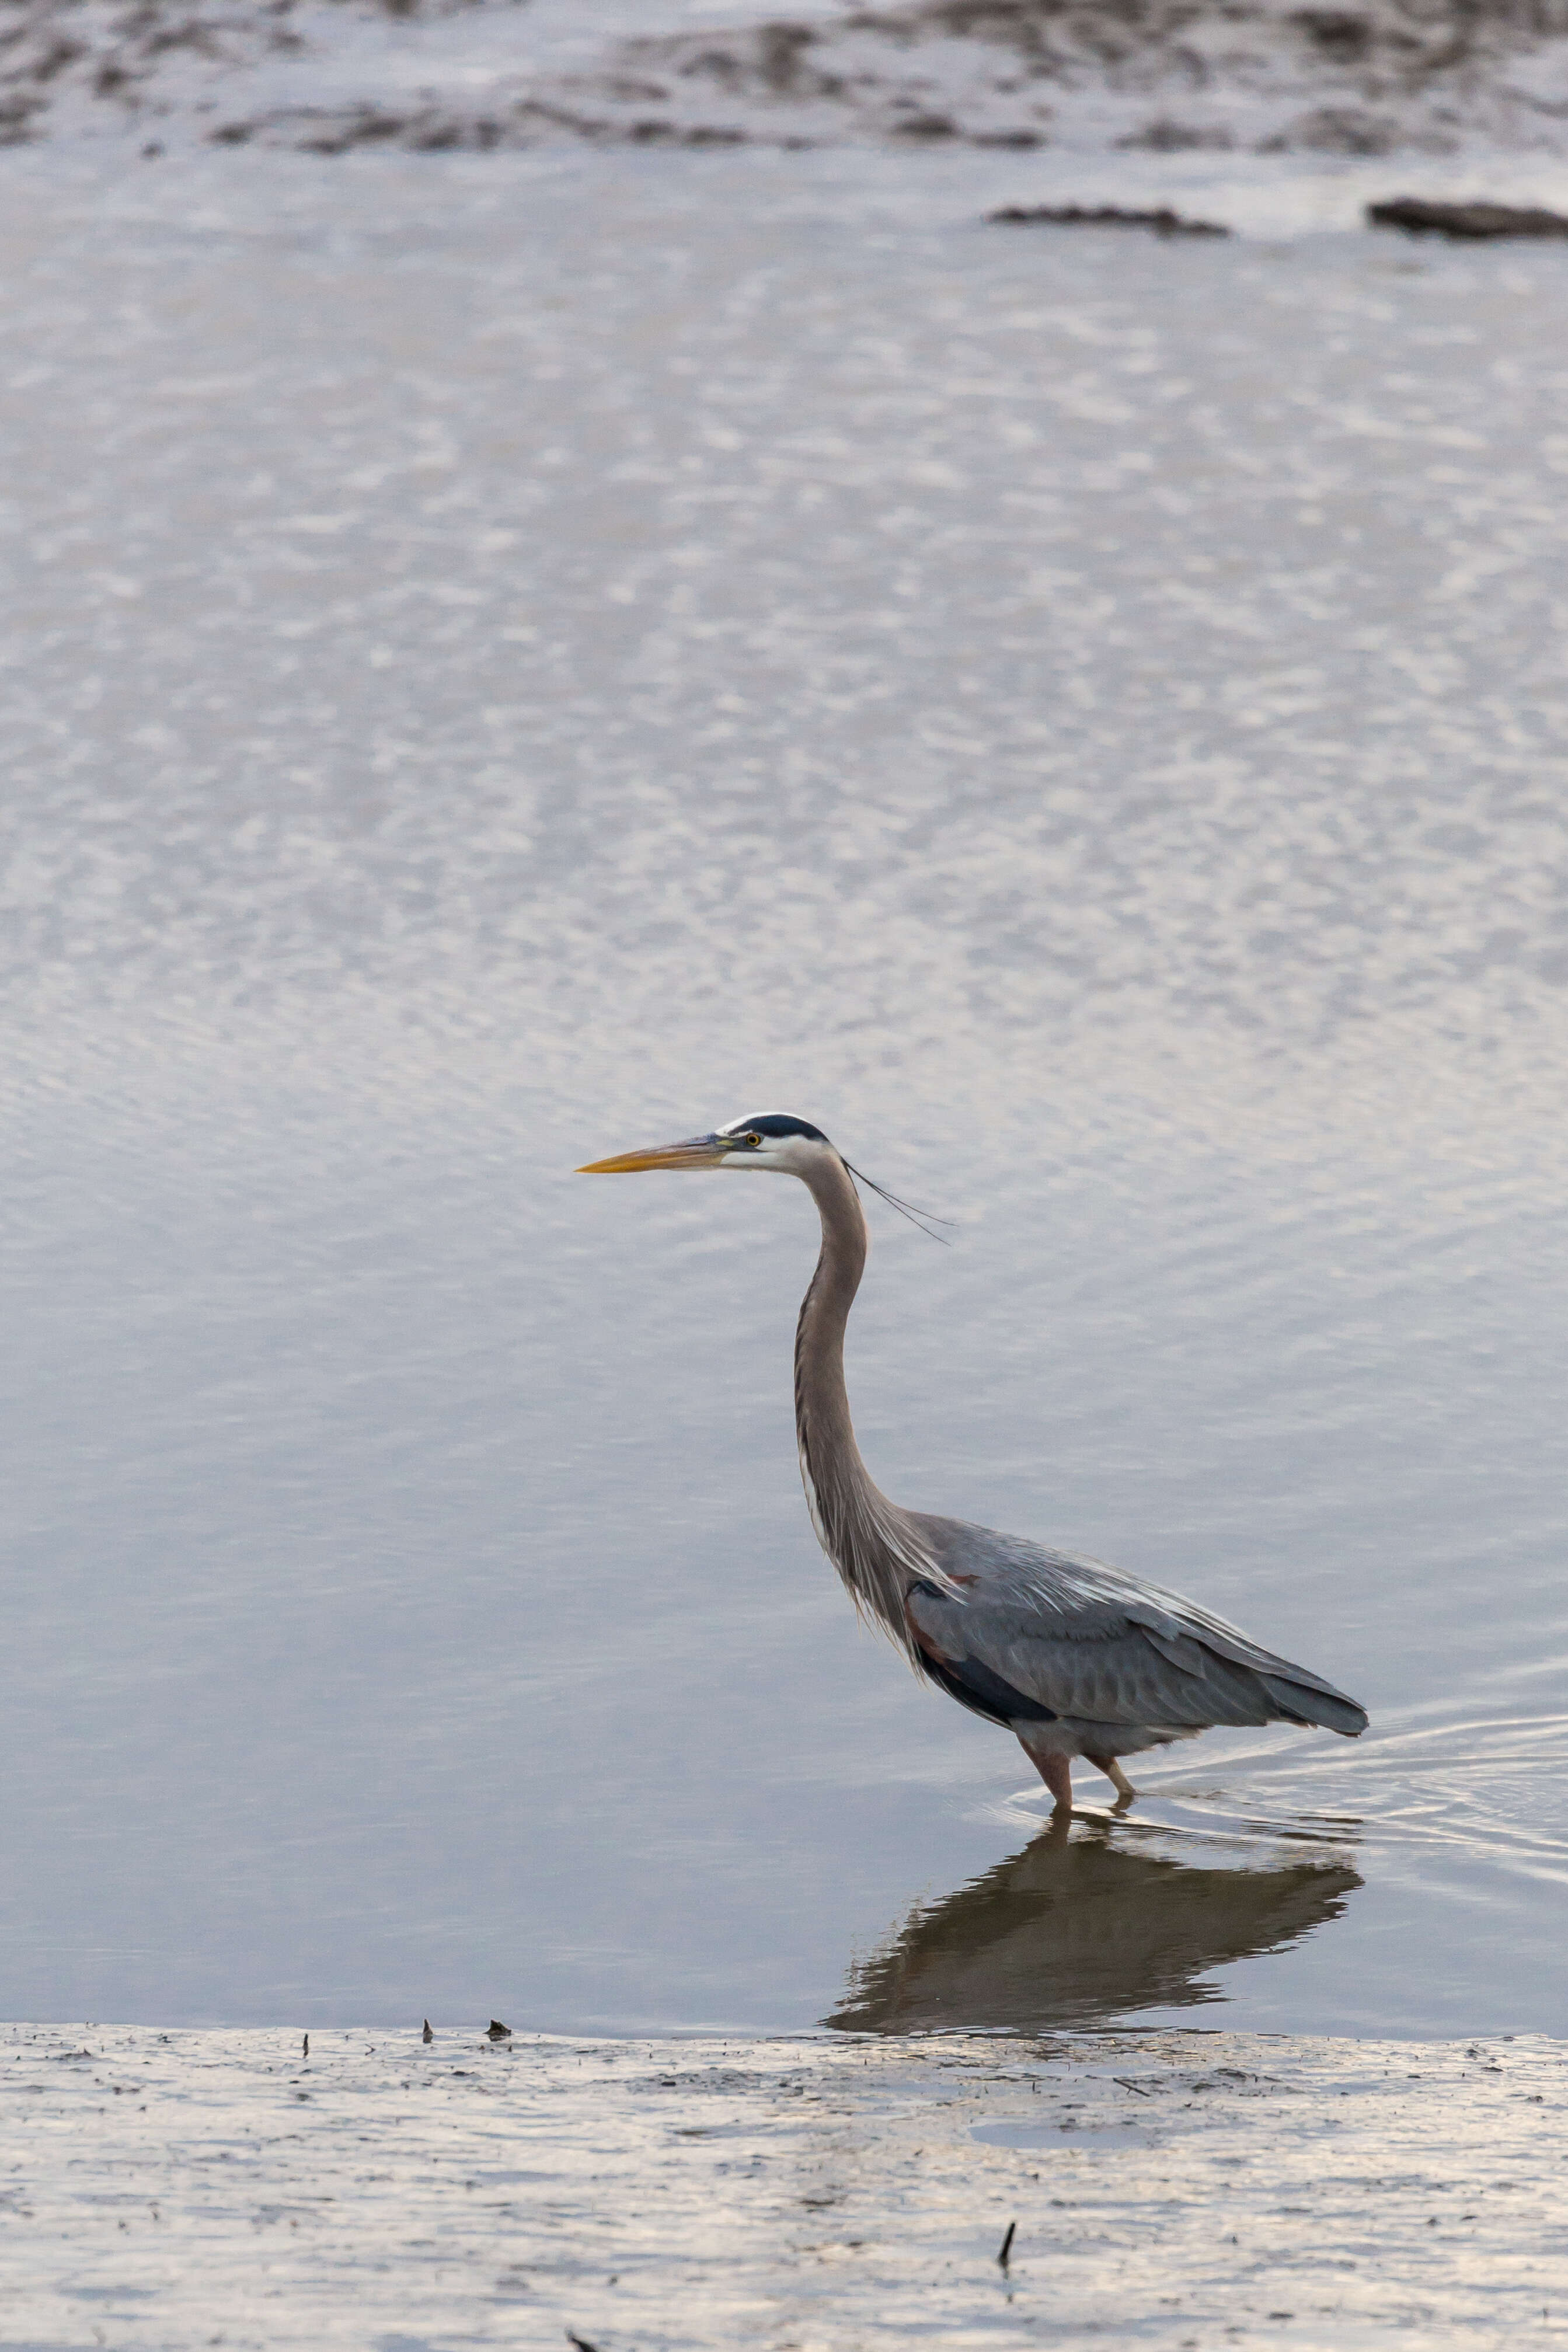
[[1180, 2188]]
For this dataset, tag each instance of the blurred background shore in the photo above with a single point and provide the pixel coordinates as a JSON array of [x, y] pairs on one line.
[[1137, 78]]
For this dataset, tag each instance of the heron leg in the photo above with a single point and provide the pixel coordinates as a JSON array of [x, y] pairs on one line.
[[1055, 1771], [1113, 1772]]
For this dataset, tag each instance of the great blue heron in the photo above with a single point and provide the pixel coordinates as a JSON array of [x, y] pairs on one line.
[[1077, 1658]]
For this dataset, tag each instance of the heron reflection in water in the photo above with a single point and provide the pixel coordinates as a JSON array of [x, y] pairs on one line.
[[1076, 1931], [1076, 1658]]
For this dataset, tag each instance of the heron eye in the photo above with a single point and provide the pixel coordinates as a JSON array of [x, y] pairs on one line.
[[756, 1141]]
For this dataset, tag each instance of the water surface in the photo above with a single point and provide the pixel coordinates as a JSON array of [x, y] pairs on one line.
[[508, 660]]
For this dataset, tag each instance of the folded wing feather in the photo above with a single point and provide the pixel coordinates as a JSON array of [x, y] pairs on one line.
[[1089, 1641]]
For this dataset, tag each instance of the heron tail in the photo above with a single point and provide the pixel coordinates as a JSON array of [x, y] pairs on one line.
[[1303, 1703]]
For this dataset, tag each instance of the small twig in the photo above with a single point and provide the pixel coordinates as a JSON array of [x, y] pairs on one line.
[[581, 2341], [1133, 2087], [1007, 2245]]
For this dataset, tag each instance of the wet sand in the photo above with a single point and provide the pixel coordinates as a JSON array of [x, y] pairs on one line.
[[1187, 2189]]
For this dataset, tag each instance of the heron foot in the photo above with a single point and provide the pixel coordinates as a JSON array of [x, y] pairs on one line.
[[1125, 1791]]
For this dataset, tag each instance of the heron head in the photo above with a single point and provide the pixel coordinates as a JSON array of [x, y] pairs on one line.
[[773, 1140]]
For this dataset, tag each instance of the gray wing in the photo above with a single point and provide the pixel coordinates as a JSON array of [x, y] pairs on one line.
[[1065, 1636]]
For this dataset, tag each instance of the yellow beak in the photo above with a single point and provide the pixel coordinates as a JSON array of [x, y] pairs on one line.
[[701, 1152]]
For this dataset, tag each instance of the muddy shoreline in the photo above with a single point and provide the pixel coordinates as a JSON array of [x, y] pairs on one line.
[[1187, 2189]]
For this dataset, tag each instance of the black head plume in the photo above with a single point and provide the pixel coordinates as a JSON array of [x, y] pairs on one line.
[[922, 1218]]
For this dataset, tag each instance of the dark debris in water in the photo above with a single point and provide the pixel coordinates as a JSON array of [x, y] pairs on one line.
[[1419, 217], [1163, 222]]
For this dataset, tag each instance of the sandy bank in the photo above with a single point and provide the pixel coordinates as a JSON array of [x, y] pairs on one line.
[[1175, 2189]]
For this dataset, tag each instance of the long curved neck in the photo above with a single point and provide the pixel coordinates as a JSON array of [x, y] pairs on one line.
[[868, 1540]]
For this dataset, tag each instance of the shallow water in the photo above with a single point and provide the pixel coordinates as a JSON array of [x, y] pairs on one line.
[[508, 660]]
